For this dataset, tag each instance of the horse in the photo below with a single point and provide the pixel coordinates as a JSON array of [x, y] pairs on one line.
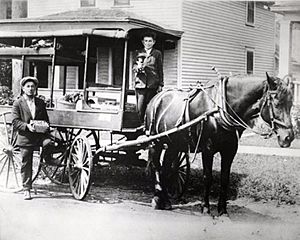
[[238, 99]]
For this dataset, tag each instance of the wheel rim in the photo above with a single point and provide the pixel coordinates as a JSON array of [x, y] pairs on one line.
[[80, 164], [177, 171], [10, 158], [64, 138]]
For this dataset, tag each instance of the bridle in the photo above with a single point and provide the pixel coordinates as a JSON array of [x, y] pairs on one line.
[[269, 102]]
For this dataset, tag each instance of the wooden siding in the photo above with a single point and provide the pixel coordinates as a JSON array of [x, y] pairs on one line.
[[38, 8], [163, 12], [215, 34], [166, 13]]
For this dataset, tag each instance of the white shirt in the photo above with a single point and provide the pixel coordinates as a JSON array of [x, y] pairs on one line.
[[148, 51], [31, 106]]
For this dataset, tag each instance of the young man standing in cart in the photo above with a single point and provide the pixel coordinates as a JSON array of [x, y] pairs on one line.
[[25, 109], [148, 73]]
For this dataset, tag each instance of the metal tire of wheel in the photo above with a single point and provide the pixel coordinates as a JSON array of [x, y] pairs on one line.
[[65, 137], [80, 164], [10, 158]]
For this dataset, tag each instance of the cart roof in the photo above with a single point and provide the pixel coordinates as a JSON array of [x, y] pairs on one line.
[[112, 23]]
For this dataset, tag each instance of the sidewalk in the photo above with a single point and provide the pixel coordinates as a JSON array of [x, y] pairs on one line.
[[288, 152]]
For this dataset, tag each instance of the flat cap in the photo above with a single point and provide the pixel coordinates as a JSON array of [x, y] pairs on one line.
[[27, 79]]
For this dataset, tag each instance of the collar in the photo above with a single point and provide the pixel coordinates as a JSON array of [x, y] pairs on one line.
[[148, 51]]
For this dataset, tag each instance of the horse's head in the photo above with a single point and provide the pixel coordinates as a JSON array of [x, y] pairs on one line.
[[276, 107]]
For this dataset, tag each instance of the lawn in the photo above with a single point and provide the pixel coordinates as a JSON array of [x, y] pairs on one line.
[[257, 140]]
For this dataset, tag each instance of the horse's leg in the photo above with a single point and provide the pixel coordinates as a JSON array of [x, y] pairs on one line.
[[154, 154], [227, 155], [207, 161]]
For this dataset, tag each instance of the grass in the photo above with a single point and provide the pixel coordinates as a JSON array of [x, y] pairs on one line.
[[259, 177], [268, 177], [257, 140]]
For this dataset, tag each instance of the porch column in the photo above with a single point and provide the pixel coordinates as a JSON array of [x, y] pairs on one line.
[[285, 47]]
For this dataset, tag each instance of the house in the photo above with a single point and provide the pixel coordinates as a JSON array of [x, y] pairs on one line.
[[289, 47], [235, 36]]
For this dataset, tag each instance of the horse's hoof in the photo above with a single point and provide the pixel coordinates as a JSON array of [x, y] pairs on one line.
[[167, 205], [223, 213], [155, 203], [205, 210]]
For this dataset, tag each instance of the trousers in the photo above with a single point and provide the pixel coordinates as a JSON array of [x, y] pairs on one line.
[[143, 97], [27, 160], [26, 168]]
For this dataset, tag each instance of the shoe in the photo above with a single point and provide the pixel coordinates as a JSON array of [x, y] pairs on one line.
[[53, 162], [27, 195]]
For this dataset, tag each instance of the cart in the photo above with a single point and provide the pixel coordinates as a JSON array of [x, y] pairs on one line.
[[85, 135]]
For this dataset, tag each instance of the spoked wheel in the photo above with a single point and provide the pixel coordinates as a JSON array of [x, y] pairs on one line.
[[10, 158], [176, 167], [80, 163], [63, 138]]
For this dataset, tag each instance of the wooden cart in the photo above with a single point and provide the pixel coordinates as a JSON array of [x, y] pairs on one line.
[[84, 134]]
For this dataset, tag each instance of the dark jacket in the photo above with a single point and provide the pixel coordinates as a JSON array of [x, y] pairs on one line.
[[21, 116], [152, 74]]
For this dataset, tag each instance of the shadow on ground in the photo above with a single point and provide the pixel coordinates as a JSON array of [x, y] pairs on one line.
[[113, 184]]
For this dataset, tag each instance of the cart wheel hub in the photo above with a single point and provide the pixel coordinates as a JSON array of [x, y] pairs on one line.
[[78, 165]]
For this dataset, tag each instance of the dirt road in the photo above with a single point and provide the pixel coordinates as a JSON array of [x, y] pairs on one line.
[[108, 214]]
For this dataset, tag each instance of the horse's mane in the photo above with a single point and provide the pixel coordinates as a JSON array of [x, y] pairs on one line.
[[249, 90]]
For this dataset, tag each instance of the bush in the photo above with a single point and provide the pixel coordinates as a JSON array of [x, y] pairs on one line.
[[6, 96], [5, 72]]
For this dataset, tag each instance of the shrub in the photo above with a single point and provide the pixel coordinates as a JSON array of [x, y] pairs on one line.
[[6, 96]]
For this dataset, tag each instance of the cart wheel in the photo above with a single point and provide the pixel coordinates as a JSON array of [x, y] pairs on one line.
[[10, 158], [63, 138], [176, 167], [80, 163]]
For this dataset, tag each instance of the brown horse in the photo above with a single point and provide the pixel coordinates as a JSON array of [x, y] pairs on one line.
[[238, 100]]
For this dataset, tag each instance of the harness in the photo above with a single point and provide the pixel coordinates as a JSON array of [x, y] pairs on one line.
[[229, 121], [270, 105]]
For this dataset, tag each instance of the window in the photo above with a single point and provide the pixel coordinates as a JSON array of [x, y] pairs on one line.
[[249, 61], [8, 9], [250, 12], [87, 3], [121, 2]]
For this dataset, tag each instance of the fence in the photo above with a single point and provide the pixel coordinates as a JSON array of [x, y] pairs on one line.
[[296, 92]]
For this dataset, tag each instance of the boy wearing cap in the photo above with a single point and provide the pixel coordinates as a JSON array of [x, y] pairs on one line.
[[148, 73], [26, 108]]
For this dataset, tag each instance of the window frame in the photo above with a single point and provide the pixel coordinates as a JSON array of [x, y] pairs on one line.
[[87, 2], [248, 23], [118, 4], [249, 50]]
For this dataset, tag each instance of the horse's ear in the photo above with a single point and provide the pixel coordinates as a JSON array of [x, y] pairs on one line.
[[271, 82]]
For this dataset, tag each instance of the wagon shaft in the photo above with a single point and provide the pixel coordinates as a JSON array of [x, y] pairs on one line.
[[144, 142]]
